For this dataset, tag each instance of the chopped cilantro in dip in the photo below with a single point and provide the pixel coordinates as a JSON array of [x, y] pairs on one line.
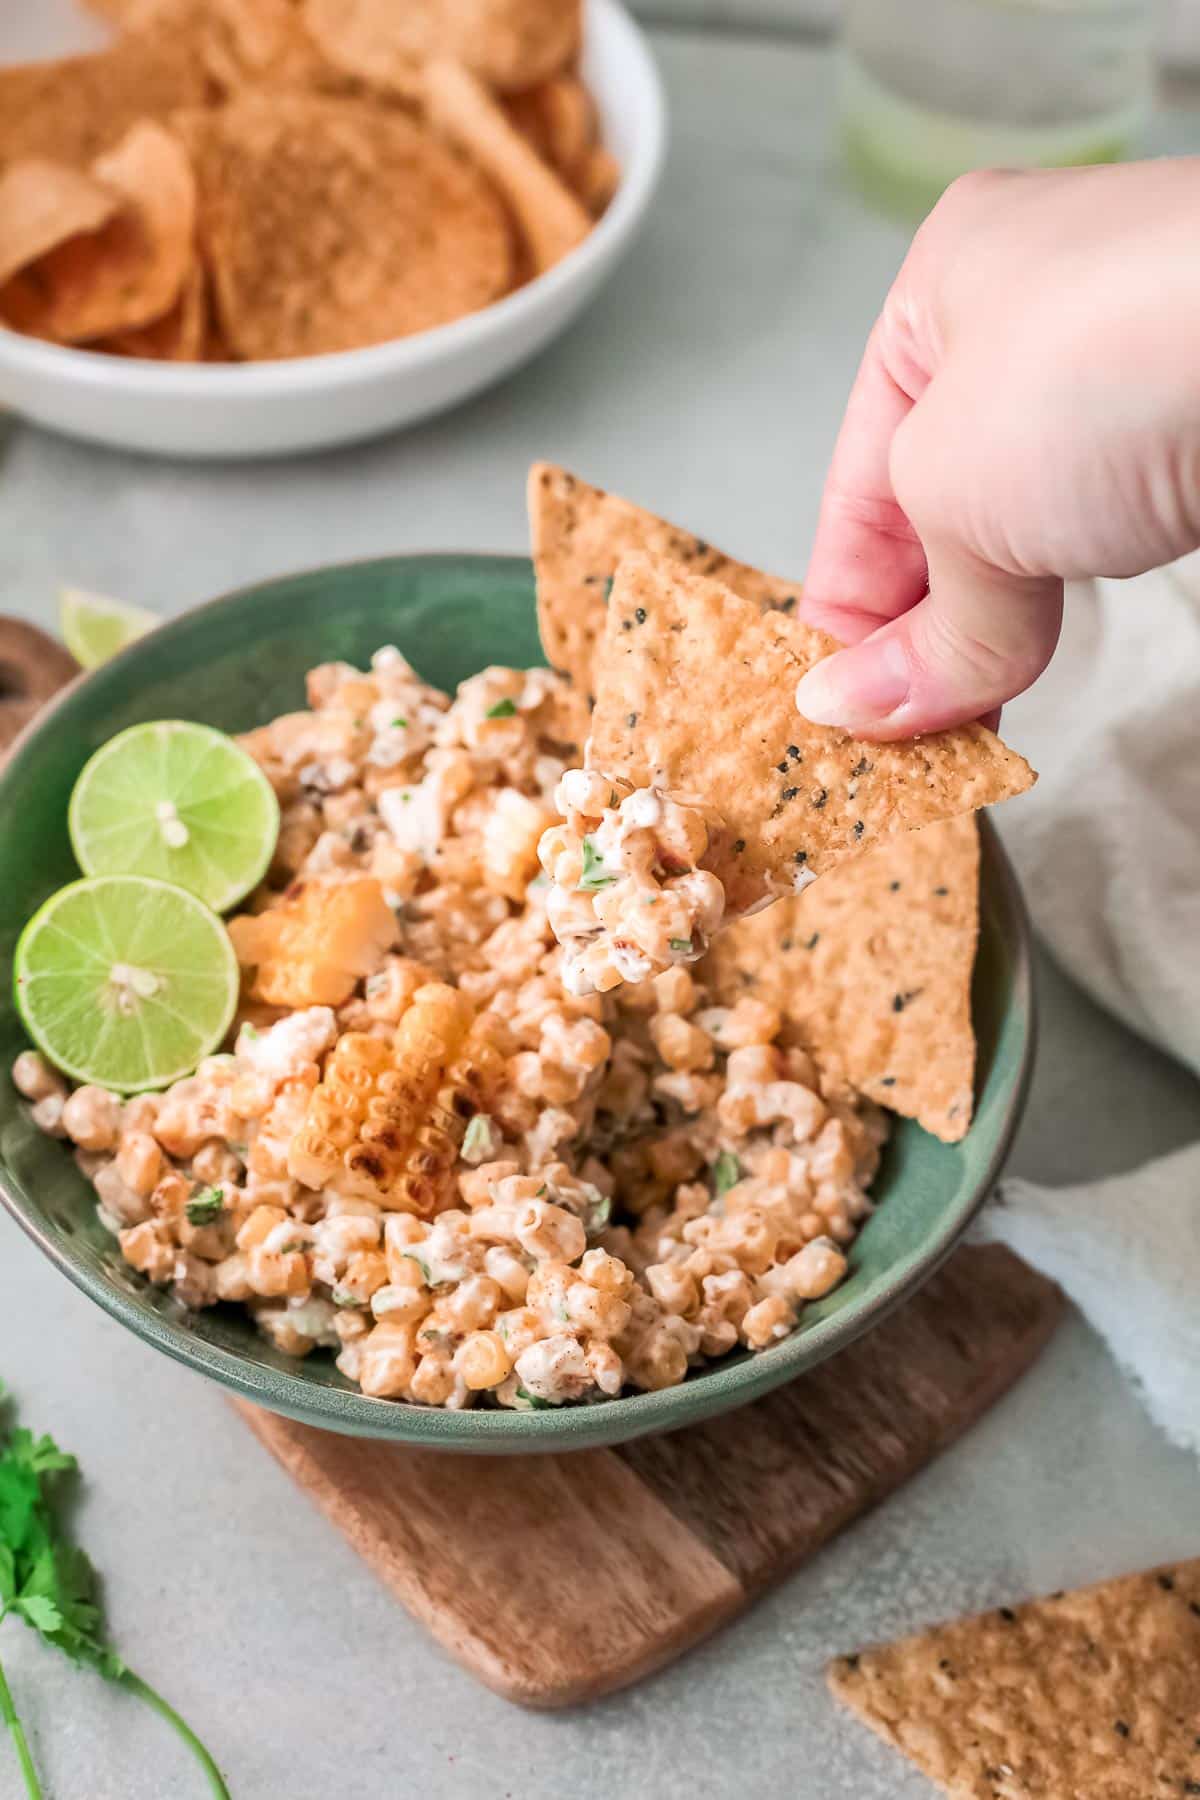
[[204, 1205], [595, 875], [503, 709], [727, 1172]]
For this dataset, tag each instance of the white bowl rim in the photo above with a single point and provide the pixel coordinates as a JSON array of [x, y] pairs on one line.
[[139, 377]]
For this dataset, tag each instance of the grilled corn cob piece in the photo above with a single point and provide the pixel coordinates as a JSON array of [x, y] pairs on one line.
[[426, 1184], [364, 1120]]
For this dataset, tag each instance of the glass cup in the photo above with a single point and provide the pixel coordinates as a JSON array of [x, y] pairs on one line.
[[932, 88]]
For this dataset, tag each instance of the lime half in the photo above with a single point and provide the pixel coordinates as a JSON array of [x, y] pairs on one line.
[[125, 982], [95, 627], [180, 802]]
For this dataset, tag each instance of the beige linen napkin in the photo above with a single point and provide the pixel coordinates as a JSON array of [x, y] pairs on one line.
[[1108, 849]]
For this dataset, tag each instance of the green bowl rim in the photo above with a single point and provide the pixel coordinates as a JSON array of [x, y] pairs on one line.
[[701, 1396]]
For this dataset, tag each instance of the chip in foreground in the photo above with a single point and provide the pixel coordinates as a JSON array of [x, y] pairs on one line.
[[1087, 1693], [125, 982]]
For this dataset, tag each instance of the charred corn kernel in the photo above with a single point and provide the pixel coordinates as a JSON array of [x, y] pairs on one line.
[[231, 1278], [673, 1287], [117, 1198], [681, 1044], [405, 1301], [767, 1321], [472, 1305], [363, 1275], [387, 1361], [607, 1369], [596, 1313], [311, 949], [35, 1079], [139, 1161], [482, 1361], [608, 1273], [519, 1328], [547, 1231], [434, 1380], [259, 1226], [147, 1249], [507, 1271], [273, 1273], [92, 1118], [815, 1270]]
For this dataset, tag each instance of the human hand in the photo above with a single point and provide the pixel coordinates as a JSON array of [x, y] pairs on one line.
[[1027, 411]]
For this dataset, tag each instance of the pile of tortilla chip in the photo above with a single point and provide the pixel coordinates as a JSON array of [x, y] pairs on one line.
[[245, 180], [684, 666]]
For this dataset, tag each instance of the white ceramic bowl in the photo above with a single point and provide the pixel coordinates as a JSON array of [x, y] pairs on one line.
[[275, 408]]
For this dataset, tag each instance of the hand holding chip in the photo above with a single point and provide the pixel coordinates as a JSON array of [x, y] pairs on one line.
[[1027, 412]]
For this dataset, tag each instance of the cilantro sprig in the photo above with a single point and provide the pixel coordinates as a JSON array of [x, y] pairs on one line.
[[48, 1582]]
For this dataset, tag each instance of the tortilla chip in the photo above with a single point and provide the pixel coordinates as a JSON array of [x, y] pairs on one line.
[[330, 224], [550, 219], [871, 968], [558, 118], [1085, 1695], [695, 693], [263, 43], [129, 272], [510, 44], [580, 534], [179, 336], [597, 180], [72, 110], [42, 204]]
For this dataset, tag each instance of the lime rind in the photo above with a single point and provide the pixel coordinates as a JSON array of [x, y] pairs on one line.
[[94, 626], [64, 981], [219, 793]]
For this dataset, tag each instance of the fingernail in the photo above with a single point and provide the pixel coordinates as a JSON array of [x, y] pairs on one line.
[[855, 688]]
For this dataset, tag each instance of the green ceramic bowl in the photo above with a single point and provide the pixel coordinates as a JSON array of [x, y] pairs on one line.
[[239, 662]]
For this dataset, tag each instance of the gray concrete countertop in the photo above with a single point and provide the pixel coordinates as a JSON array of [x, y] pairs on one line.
[[707, 381]]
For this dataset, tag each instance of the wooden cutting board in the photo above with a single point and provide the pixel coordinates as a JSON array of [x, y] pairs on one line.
[[555, 1579]]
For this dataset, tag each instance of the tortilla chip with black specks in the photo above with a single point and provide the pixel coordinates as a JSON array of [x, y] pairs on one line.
[[580, 534], [1091, 1695], [695, 694], [871, 967]]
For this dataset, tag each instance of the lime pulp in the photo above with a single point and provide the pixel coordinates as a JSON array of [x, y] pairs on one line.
[[95, 627], [125, 982], [179, 802]]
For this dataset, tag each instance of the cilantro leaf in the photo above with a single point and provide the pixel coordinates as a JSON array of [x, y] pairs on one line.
[[40, 1612], [503, 709], [205, 1205], [727, 1172], [594, 875], [48, 1583]]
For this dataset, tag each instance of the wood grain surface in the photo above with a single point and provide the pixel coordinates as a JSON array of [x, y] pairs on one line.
[[644, 1550], [32, 669]]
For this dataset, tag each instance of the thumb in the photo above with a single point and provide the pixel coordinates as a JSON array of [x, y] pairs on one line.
[[978, 638]]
